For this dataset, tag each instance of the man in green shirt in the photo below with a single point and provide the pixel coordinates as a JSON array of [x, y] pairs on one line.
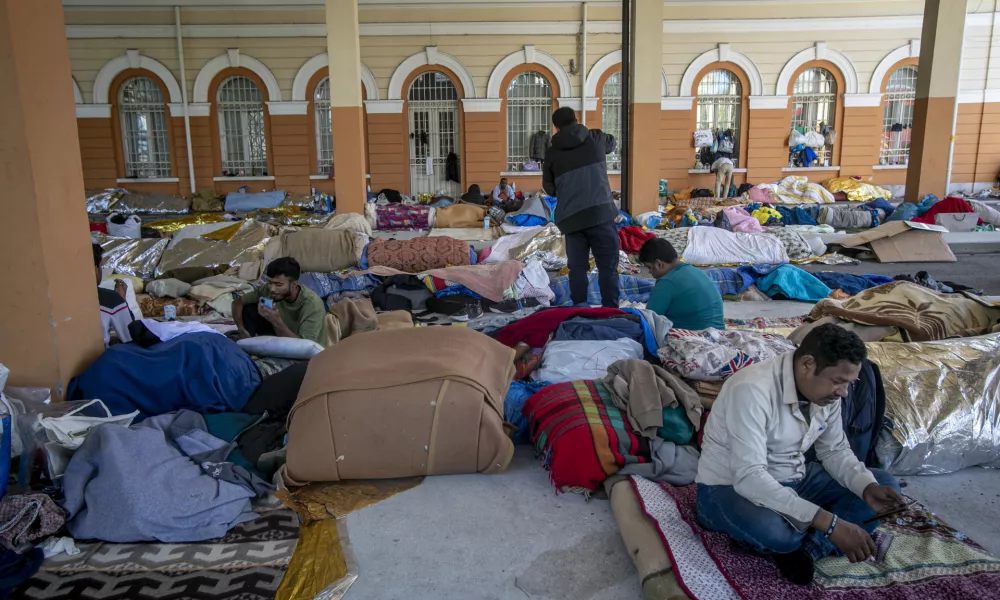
[[282, 307], [683, 293]]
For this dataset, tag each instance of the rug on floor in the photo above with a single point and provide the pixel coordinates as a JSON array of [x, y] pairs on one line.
[[919, 558], [247, 564]]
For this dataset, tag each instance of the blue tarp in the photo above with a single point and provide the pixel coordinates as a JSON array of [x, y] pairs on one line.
[[793, 283], [204, 372], [517, 395], [851, 284], [247, 202]]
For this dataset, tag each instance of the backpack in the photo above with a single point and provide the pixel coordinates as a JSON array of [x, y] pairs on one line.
[[401, 292]]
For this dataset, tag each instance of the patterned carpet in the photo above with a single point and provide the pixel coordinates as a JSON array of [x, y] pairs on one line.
[[247, 564]]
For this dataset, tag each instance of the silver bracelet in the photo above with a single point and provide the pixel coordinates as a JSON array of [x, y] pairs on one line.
[[833, 525]]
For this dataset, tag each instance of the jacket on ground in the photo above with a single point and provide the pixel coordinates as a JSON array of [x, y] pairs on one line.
[[576, 173]]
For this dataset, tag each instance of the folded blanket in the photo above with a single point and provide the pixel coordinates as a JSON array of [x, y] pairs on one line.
[[461, 215], [418, 254], [643, 390], [714, 246], [349, 222], [920, 314], [581, 434], [401, 216], [713, 355], [631, 239], [797, 190]]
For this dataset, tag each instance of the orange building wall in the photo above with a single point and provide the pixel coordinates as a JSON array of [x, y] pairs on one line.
[[484, 152], [676, 147], [988, 155], [767, 153], [970, 120], [387, 154], [290, 146], [860, 135], [98, 153]]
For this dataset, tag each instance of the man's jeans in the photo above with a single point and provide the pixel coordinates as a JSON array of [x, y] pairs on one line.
[[721, 509]]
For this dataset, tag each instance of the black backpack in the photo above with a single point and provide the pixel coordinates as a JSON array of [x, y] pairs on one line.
[[401, 292]]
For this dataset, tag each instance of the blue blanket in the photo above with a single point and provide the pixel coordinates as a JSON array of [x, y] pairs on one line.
[[851, 284], [791, 282], [204, 372], [247, 202], [631, 288]]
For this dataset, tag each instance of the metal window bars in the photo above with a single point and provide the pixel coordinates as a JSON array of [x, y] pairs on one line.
[[144, 129], [432, 103], [324, 127], [814, 102], [897, 116], [611, 117], [241, 128], [720, 107], [529, 111]]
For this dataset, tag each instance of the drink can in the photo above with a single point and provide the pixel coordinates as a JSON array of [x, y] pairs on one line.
[[486, 222], [170, 313]]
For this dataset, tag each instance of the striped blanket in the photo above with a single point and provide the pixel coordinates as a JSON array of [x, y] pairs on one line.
[[582, 437]]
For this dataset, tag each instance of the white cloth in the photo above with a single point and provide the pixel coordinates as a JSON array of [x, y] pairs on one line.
[[533, 282], [756, 437], [59, 545], [722, 160], [716, 246], [168, 330], [507, 190], [503, 246], [130, 300], [583, 360]]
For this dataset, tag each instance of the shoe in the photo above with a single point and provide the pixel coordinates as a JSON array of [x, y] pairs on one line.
[[796, 567], [581, 305]]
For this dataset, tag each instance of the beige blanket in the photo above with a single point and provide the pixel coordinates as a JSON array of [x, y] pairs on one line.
[[357, 315], [643, 390]]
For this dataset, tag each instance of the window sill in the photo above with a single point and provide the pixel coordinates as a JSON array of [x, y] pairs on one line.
[[521, 173], [148, 180], [323, 177], [708, 171], [807, 169], [614, 172], [890, 167], [262, 178]]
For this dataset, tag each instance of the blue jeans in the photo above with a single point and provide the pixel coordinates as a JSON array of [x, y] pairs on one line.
[[720, 508]]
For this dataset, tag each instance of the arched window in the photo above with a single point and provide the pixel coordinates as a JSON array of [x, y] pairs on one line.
[[241, 128], [720, 107], [432, 105], [814, 105], [529, 112], [897, 117], [611, 117], [324, 127], [144, 129]]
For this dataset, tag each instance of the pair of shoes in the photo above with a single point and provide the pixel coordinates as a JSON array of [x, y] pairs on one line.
[[470, 311], [796, 567]]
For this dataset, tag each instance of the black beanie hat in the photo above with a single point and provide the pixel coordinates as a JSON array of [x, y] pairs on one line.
[[563, 117]]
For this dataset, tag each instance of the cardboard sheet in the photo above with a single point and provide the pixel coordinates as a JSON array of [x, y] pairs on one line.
[[904, 241]]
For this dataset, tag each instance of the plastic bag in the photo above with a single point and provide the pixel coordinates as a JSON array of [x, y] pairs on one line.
[[703, 138], [814, 139], [124, 227], [576, 360], [726, 145], [830, 137], [796, 139]]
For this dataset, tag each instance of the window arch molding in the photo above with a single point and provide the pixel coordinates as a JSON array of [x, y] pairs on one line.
[[206, 84], [841, 67], [114, 92], [529, 59], [908, 55], [307, 93], [752, 83], [605, 67], [211, 95], [131, 60], [402, 78], [304, 83], [746, 87]]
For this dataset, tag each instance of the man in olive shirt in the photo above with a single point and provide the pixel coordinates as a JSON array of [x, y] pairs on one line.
[[296, 312]]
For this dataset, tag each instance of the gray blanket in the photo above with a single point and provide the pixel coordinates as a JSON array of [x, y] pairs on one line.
[[140, 483]]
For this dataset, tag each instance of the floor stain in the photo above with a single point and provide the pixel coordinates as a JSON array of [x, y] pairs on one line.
[[596, 562]]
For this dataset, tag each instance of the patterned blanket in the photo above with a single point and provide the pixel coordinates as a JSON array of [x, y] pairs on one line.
[[402, 216], [713, 355], [920, 313], [919, 558], [582, 437]]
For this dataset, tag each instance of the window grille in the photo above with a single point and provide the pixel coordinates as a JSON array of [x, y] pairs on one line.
[[432, 104], [324, 127], [720, 106], [529, 110], [897, 118], [814, 103], [611, 118], [144, 129], [241, 128]]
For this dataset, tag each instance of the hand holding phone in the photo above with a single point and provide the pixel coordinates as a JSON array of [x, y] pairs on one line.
[[267, 303]]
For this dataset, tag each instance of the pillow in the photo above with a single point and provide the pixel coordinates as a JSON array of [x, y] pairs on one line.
[[321, 250], [280, 347]]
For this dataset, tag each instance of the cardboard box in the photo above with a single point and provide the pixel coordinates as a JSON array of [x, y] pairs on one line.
[[957, 222], [904, 241]]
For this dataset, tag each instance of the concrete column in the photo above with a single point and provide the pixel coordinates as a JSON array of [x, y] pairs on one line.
[[937, 91], [347, 117], [646, 58], [50, 322]]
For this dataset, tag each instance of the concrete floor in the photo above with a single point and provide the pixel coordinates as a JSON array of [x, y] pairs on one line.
[[980, 271], [510, 536]]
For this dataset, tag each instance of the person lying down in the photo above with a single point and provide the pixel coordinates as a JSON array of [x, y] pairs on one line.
[[754, 483]]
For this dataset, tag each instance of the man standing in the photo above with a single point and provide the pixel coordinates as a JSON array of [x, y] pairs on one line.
[[281, 308], [502, 192], [576, 173], [753, 480]]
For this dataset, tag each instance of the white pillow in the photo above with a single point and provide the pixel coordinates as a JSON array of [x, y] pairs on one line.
[[281, 347]]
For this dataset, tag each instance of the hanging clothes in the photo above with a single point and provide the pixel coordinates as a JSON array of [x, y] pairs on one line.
[[538, 144], [451, 171]]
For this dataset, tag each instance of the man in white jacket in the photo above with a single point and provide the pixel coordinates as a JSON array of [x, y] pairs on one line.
[[753, 479]]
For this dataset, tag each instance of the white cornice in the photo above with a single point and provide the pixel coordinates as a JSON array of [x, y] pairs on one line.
[[768, 102], [287, 108], [677, 103], [93, 111], [471, 105], [859, 100], [384, 107]]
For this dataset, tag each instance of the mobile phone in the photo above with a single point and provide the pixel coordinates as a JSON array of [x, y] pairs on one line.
[[890, 512], [267, 303]]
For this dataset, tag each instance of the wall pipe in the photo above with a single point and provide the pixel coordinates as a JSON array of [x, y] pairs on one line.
[[583, 67], [184, 97], [625, 141]]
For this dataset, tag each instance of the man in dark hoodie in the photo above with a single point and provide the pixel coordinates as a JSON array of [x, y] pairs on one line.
[[576, 173]]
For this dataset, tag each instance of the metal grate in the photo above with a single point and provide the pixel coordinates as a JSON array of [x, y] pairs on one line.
[[814, 102], [611, 117], [897, 118], [720, 107], [433, 108], [241, 128], [144, 129], [324, 127], [529, 111]]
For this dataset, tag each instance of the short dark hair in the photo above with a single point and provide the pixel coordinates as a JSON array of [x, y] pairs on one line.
[[98, 253], [563, 117], [657, 249], [287, 266], [829, 344]]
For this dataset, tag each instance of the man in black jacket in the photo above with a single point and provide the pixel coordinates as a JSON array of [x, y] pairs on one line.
[[576, 173]]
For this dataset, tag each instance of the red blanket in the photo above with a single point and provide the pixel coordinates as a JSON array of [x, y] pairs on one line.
[[534, 330], [632, 238], [580, 433], [950, 204]]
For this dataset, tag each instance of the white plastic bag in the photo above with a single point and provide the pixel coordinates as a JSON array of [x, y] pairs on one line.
[[131, 228], [587, 360], [796, 139], [815, 139], [70, 429], [281, 347], [703, 138]]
